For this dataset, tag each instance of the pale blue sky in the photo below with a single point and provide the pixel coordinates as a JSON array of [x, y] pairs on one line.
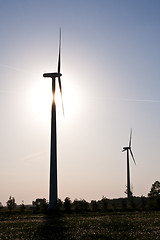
[[110, 67]]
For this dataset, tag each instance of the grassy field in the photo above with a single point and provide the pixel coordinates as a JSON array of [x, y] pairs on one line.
[[91, 226]]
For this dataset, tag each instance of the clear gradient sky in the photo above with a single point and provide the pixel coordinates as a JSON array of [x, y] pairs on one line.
[[111, 82]]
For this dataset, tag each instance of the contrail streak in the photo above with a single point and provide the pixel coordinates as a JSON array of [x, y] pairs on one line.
[[140, 100], [34, 156], [16, 69]]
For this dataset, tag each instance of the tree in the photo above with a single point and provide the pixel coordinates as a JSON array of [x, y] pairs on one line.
[[94, 205], [80, 205], [124, 204], [133, 204], [104, 202], [155, 190], [67, 204], [59, 204], [126, 192], [1, 206], [154, 196], [143, 202], [114, 205], [11, 204], [41, 204], [22, 207]]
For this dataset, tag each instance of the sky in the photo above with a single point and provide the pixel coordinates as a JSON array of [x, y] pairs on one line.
[[110, 83]]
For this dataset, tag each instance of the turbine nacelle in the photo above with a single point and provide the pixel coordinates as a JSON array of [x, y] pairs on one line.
[[125, 148], [52, 75]]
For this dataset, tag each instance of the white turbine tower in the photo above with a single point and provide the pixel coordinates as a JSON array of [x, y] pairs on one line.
[[53, 146]]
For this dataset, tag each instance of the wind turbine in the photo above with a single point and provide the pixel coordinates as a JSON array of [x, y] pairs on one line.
[[128, 149], [53, 146]]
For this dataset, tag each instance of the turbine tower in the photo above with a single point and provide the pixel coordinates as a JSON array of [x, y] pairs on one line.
[[53, 146], [128, 149]]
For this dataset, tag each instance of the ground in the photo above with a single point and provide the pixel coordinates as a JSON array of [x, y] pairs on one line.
[[90, 226]]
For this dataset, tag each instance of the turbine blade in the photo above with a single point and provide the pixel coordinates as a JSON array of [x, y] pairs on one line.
[[130, 138], [60, 87], [132, 156], [59, 56]]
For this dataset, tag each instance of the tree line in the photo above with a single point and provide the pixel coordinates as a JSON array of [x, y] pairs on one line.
[[151, 202]]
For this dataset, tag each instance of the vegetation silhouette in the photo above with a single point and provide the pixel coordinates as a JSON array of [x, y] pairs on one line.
[[40, 205], [149, 203], [22, 207], [11, 204], [67, 204], [155, 190], [80, 206], [154, 196], [121, 218]]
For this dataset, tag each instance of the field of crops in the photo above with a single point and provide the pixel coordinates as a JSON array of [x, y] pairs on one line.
[[90, 226]]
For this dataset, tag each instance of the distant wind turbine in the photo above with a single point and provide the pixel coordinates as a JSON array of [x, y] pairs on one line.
[[53, 146], [128, 149]]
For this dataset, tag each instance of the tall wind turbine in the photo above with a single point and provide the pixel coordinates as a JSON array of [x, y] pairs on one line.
[[53, 146], [128, 149]]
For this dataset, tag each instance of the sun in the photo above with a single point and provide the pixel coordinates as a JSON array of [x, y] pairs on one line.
[[41, 98]]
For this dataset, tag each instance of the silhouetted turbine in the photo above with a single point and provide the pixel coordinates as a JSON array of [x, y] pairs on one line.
[[53, 147], [128, 149]]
